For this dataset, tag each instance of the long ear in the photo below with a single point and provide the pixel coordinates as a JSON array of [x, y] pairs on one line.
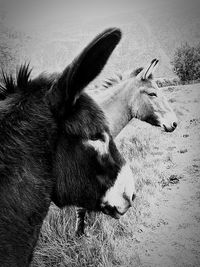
[[147, 72], [83, 69]]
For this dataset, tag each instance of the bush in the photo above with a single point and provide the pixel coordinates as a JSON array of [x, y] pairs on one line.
[[186, 62]]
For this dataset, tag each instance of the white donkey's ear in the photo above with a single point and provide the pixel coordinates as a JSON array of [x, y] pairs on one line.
[[148, 70]]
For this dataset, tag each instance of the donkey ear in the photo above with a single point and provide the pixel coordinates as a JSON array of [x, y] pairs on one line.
[[148, 71], [84, 69]]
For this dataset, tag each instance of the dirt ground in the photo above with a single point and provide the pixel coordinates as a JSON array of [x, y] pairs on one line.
[[169, 229]]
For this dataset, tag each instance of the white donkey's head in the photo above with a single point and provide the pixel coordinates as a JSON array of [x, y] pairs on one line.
[[148, 102]]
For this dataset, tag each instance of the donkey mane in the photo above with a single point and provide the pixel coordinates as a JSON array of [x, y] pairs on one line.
[[11, 85], [23, 76], [22, 84], [108, 82], [111, 81], [7, 87]]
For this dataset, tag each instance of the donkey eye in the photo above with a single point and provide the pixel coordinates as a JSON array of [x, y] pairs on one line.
[[152, 94], [97, 136]]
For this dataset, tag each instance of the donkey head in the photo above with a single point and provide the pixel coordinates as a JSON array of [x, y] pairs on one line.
[[88, 168], [148, 103]]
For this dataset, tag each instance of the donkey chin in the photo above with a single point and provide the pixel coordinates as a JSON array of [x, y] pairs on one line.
[[169, 128], [113, 211], [119, 198]]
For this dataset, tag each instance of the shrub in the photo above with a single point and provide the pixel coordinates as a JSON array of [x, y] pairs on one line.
[[186, 62]]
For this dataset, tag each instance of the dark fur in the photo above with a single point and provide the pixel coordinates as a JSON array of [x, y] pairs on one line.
[[43, 123]]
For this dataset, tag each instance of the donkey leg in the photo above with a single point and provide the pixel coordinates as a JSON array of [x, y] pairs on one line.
[[80, 223]]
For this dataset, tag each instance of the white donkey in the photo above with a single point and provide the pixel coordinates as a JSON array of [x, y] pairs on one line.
[[135, 94]]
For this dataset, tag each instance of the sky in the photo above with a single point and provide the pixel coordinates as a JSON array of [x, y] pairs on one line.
[[32, 16], [59, 21], [22, 12]]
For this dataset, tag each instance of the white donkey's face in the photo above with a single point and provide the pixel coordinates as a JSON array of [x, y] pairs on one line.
[[149, 104]]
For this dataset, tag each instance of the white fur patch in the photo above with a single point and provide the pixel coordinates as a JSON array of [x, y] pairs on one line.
[[165, 114], [100, 146], [168, 120], [121, 193]]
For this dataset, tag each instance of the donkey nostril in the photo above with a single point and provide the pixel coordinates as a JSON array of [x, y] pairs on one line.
[[133, 197], [174, 124]]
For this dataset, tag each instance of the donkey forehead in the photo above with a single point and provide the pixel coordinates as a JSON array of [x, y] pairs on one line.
[[86, 119], [100, 145], [148, 86], [148, 83]]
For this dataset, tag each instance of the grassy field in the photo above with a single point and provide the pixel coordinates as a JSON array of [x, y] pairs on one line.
[[161, 229]]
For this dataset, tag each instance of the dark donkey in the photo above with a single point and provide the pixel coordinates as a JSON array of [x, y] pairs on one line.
[[55, 145]]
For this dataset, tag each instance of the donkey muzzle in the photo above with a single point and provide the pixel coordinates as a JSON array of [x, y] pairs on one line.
[[120, 197]]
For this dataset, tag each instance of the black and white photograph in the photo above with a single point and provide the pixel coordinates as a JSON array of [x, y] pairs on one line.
[[99, 133]]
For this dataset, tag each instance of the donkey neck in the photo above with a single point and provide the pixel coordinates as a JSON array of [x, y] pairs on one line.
[[115, 104]]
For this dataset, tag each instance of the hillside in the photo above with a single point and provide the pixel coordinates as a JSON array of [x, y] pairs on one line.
[[52, 38]]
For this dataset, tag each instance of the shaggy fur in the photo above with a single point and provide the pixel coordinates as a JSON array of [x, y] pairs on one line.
[[111, 81]]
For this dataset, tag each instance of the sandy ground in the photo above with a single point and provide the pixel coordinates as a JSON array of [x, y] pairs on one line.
[[168, 231]]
